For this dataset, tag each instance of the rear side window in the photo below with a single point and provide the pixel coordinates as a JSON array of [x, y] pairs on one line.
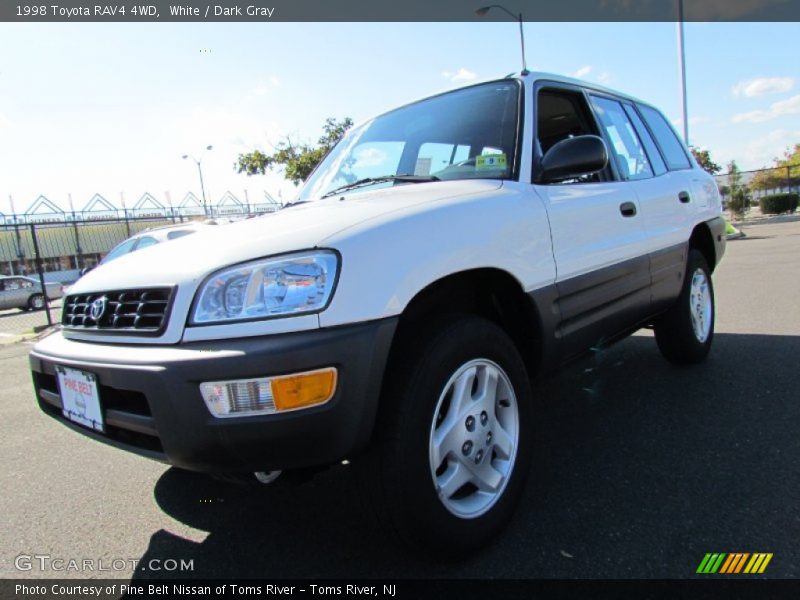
[[174, 235], [665, 136], [649, 145]]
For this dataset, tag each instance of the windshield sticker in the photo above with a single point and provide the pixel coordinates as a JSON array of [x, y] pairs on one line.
[[491, 161]]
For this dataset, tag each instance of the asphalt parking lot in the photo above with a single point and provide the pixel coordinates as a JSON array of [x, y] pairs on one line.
[[648, 468]]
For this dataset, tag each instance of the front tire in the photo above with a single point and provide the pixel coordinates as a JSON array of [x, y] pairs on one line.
[[684, 334], [454, 439], [36, 302]]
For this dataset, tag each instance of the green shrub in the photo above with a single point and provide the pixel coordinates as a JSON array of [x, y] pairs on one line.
[[738, 201], [775, 204]]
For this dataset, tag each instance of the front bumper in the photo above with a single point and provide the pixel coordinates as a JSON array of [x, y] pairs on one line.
[[152, 405]]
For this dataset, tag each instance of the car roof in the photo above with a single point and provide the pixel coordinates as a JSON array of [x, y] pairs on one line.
[[518, 76], [544, 76]]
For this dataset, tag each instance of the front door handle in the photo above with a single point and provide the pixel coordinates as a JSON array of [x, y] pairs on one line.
[[628, 209], [684, 197]]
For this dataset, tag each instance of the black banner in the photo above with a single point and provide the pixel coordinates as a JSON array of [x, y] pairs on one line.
[[77, 589], [31, 11]]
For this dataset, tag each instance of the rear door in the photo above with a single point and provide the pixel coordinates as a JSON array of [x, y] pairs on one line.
[[662, 208], [668, 213]]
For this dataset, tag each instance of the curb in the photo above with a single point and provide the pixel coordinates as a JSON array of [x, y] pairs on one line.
[[38, 332]]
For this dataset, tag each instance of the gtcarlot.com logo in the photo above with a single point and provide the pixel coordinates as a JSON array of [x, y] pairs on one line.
[[46, 562], [734, 563]]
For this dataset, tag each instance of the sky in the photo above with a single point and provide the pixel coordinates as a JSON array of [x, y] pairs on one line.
[[90, 108]]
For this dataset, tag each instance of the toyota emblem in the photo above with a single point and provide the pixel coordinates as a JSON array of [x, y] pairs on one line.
[[98, 308]]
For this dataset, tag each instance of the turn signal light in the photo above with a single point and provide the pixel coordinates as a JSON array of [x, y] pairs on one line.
[[304, 389]]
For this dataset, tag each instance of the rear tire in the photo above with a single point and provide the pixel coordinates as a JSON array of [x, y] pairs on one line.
[[453, 444], [684, 334]]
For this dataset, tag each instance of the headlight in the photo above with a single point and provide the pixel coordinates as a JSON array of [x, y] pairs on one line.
[[286, 285]]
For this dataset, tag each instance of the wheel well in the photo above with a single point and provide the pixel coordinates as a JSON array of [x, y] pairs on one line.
[[703, 241], [490, 293]]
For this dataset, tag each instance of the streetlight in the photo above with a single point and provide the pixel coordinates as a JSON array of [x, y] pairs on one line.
[[682, 68], [485, 9], [200, 172]]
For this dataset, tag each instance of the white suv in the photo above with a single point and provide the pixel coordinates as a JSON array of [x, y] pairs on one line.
[[438, 258]]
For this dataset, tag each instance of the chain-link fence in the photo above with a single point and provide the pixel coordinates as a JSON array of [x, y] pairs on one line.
[[39, 261], [751, 195]]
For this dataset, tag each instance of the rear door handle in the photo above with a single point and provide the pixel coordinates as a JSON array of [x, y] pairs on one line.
[[628, 209], [684, 197]]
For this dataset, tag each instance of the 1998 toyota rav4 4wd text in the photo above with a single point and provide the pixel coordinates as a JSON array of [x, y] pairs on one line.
[[439, 257]]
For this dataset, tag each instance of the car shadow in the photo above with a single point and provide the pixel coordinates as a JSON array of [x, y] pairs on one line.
[[647, 467]]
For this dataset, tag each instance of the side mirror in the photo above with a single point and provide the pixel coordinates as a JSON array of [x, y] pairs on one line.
[[572, 158]]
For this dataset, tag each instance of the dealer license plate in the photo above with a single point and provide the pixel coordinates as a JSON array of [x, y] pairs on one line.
[[80, 401]]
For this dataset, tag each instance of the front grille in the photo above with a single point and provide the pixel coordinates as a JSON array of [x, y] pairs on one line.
[[142, 310]]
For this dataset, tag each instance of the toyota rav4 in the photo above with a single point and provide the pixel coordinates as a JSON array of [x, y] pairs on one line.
[[437, 259]]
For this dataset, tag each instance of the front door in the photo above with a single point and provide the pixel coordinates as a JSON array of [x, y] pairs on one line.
[[599, 242]]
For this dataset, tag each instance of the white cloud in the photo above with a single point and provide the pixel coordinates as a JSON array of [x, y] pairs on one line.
[[778, 109], [263, 87], [762, 151], [5, 122], [461, 75], [582, 72], [604, 78], [370, 157], [762, 86]]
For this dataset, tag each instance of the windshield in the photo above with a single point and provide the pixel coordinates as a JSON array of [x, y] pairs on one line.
[[466, 134]]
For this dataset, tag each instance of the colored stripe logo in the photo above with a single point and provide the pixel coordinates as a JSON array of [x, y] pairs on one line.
[[734, 563]]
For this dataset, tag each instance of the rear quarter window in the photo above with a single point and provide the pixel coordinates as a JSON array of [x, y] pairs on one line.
[[674, 154]]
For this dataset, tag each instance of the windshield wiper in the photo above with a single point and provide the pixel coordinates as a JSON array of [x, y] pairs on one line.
[[405, 178]]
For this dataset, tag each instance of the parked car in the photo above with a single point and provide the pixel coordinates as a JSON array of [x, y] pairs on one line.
[[438, 258], [25, 293], [150, 237]]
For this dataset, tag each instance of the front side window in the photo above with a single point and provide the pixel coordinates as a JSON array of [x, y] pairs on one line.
[[562, 114], [672, 148], [630, 157], [441, 138], [145, 242], [119, 250]]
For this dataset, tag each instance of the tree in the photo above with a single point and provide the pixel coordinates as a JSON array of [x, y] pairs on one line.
[[703, 158], [737, 193], [296, 159], [785, 172]]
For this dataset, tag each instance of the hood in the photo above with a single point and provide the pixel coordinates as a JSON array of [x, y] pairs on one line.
[[295, 228]]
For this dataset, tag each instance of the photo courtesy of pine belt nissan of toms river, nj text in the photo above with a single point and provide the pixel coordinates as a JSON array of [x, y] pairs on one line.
[[440, 257]]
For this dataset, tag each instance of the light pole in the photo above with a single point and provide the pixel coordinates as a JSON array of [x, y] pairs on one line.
[[200, 172], [485, 9], [682, 67]]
